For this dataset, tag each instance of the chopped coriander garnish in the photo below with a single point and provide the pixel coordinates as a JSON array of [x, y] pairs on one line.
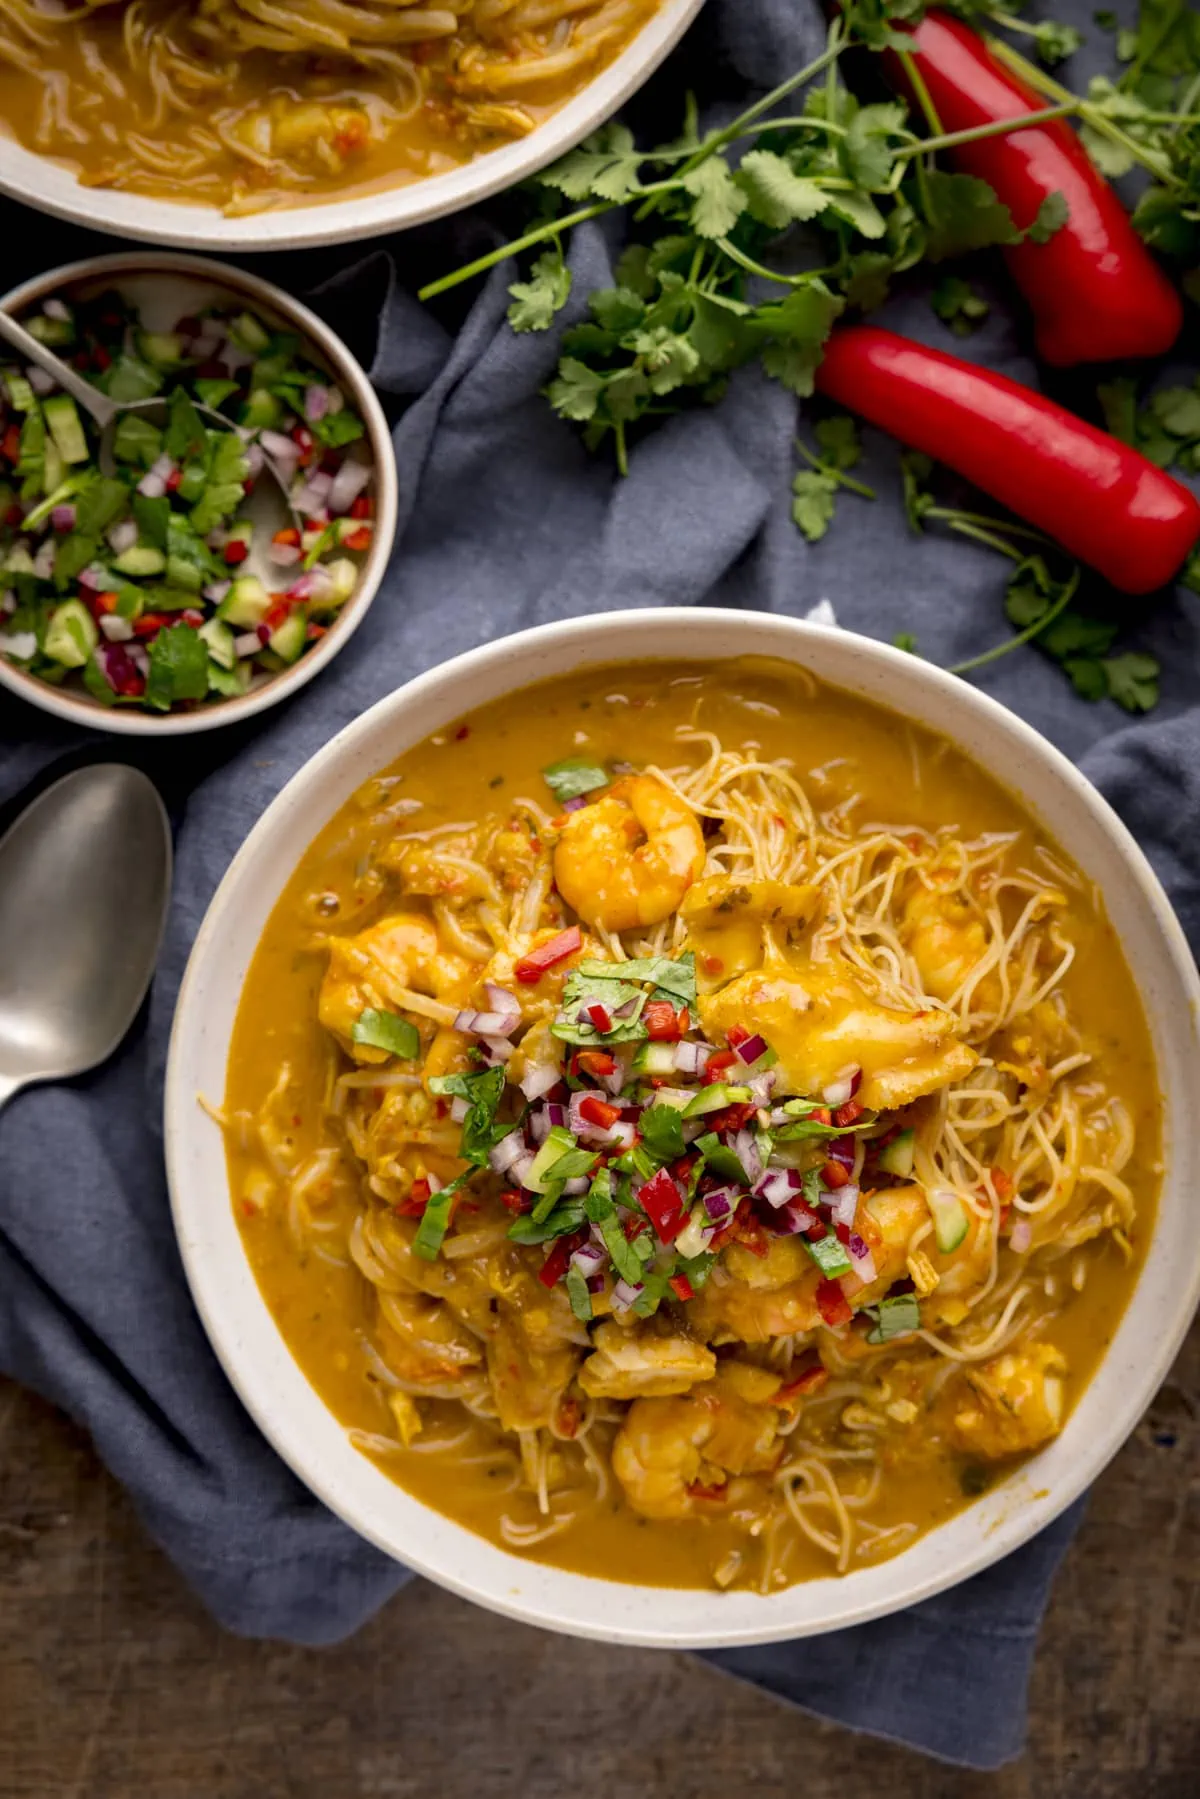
[[577, 1293], [897, 1316], [829, 1255], [662, 1132], [435, 1220], [573, 777]]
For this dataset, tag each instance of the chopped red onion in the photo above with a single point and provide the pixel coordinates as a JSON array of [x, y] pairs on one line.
[[139, 655], [62, 518], [841, 1150], [778, 1186], [216, 591], [459, 1107], [589, 1259], [508, 1151], [43, 562], [316, 403], [574, 805], [246, 644], [152, 486], [57, 309], [204, 348], [280, 448], [843, 1204], [93, 578], [538, 1079], [840, 1091], [625, 1295], [285, 555], [746, 1150], [1021, 1236], [692, 1058], [578, 1184], [308, 501], [496, 1050], [720, 1203], [116, 628], [503, 1004], [485, 1024], [122, 536], [750, 1051], [539, 1125], [623, 1135], [347, 484], [254, 461], [556, 1114], [41, 382], [595, 1283], [864, 1261], [313, 584], [792, 1218], [519, 1172], [760, 1086]]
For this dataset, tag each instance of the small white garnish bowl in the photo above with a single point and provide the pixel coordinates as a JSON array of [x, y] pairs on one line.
[[167, 287], [296, 1420]]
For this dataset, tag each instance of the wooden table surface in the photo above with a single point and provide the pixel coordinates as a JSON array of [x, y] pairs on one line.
[[114, 1682]]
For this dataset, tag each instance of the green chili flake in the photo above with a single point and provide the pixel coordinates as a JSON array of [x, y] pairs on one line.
[[387, 1030]]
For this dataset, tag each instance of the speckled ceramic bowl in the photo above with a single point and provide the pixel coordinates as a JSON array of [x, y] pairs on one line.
[[308, 1436]]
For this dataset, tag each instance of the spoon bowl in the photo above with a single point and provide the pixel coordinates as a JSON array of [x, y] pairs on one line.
[[85, 875]]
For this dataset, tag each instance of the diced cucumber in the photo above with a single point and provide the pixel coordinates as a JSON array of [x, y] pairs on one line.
[[131, 601], [20, 394], [262, 410], [66, 427], [246, 604], [142, 559], [558, 1143], [192, 483], [53, 467], [182, 573], [344, 575], [715, 1099], [274, 664], [219, 639], [54, 333], [896, 1157], [161, 349], [71, 634], [250, 333], [229, 682], [289, 638], [949, 1219], [654, 1058]]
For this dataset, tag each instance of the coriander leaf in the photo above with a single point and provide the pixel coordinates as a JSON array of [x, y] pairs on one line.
[[574, 776], [435, 1220], [185, 436], [576, 389], [101, 501], [1086, 675], [860, 211], [577, 1293], [1112, 159], [618, 309], [483, 1092], [895, 1317], [958, 305], [1052, 215], [798, 327], [815, 497], [566, 1216], [671, 976], [775, 195], [387, 1030], [336, 428], [1178, 410], [718, 200], [662, 1132], [904, 640], [916, 468], [866, 284], [864, 151], [605, 165], [178, 667], [838, 438], [964, 214], [1133, 681], [1055, 41], [536, 301]]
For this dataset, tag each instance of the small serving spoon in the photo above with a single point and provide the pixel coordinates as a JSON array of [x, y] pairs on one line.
[[269, 506], [85, 876]]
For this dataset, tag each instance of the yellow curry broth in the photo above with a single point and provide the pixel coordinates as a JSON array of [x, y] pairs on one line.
[[840, 747]]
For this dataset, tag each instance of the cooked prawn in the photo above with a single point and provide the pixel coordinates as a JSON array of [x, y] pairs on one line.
[[381, 968], [666, 1447], [1015, 1403], [628, 859], [629, 1363]]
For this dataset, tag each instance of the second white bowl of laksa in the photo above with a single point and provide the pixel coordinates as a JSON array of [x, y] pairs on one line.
[[690, 1155]]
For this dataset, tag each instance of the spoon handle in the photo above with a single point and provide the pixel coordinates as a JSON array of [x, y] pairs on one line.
[[96, 404]]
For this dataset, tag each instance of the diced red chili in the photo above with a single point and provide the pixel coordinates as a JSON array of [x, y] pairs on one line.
[[363, 507], [842, 1232], [599, 1112], [737, 1033], [15, 515], [663, 1024], [600, 1016], [718, 1062], [289, 536], [105, 602], [358, 540], [835, 1176], [1002, 1183], [515, 1200], [558, 1261], [681, 1287], [712, 965], [848, 1114], [10, 443], [569, 1415], [810, 1381], [634, 1225], [662, 1202], [595, 1061], [418, 1199], [235, 551], [173, 480], [731, 1118], [150, 624], [833, 1305], [698, 1490], [749, 1232], [532, 967]]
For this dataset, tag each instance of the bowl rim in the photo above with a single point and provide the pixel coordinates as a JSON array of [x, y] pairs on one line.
[[555, 1604], [81, 709], [50, 186]]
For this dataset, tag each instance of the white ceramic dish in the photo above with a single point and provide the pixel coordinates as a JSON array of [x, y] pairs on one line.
[[309, 1437], [47, 185], [166, 287]]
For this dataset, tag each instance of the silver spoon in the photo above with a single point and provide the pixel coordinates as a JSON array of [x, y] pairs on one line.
[[85, 875], [270, 504]]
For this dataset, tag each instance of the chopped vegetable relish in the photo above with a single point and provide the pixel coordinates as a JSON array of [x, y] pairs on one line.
[[131, 583]]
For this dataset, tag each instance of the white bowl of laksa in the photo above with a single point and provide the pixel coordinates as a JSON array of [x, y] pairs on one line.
[[225, 124], [681, 1151]]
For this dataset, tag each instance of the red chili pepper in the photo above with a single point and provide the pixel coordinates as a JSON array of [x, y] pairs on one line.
[[731, 1118], [848, 1114], [358, 540], [105, 602], [663, 1204], [1096, 293], [532, 967], [418, 1199], [833, 1305], [515, 1200], [362, 507], [1101, 500], [810, 1381], [716, 1065], [749, 1232], [150, 624], [663, 1024], [557, 1262], [681, 1286], [737, 1033], [15, 515], [595, 1061], [235, 551], [600, 1016], [599, 1112], [10, 444], [835, 1176], [173, 480], [289, 536]]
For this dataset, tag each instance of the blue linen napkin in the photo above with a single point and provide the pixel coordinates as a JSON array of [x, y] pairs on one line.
[[507, 522]]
